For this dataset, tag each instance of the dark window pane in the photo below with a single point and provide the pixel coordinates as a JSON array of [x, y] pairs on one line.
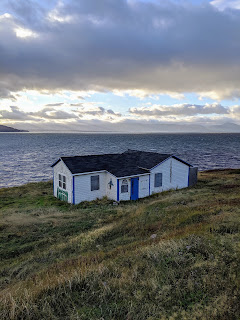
[[94, 183], [64, 178], [60, 177], [60, 184], [124, 188], [158, 180]]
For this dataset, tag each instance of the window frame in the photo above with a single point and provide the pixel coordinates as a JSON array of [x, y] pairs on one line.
[[62, 181], [124, 185], [92, 187], [158, 184]]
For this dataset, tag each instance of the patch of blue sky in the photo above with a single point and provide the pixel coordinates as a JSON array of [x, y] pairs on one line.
[[229, 103]]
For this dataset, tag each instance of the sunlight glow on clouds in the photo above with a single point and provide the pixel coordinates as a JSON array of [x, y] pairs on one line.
[[24, 33], [113, 60]]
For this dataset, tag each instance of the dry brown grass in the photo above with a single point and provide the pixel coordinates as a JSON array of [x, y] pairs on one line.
[[98, 261]]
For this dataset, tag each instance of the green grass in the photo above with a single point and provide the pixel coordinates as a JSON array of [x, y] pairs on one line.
[[174, 255]]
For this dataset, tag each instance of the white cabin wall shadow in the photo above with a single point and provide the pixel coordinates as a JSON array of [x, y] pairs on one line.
[[61, 168]]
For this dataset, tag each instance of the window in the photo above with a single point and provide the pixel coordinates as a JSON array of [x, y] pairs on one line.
[[158, 180], [62, 181], [95, 183], [124, 186]]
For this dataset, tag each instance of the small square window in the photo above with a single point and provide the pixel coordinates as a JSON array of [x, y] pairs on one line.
[[158, 180], [95, 183]]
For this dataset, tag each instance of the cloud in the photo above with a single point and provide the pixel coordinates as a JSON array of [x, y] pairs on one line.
[[50, 113], [55, 104], [96, 111], [76, 104], [159, 47], [15, 114], [181, 110], [226, 4], [235, 112]]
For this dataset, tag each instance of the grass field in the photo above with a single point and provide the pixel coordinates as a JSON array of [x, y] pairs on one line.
[[175, 255]]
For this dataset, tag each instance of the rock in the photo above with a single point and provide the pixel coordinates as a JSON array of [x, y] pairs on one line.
[[153, 236]]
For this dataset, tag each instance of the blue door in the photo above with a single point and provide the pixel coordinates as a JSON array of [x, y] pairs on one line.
[[134, 188]]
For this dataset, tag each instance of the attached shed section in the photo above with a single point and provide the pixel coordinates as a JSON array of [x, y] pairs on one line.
[[127, 176]]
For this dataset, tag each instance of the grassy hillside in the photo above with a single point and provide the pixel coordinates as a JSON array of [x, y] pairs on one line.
[[174, 255]]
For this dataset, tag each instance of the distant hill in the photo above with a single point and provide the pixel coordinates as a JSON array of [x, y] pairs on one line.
[[10, 129], [226, 127]]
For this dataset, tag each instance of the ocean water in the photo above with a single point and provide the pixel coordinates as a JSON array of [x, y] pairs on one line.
[[27, 157]]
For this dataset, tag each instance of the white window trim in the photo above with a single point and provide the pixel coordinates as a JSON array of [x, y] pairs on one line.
[[62, 181]]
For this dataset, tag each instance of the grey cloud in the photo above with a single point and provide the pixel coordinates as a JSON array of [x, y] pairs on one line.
[[15, 114], [162, 46], [111, 112], [98, 111], [76, 104], [54, 104], [46, 113], [180, 110], [50, 113], [95, 112]]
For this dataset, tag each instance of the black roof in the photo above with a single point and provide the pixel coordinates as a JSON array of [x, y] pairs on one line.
[[124, 164]]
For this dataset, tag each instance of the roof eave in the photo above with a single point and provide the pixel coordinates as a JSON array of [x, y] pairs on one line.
[[56, 162], [134, 175], [188, 164]]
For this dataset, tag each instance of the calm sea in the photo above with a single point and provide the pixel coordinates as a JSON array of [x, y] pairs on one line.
[[27, 157]]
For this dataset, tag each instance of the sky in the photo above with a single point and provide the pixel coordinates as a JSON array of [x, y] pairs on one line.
[[125, 65]]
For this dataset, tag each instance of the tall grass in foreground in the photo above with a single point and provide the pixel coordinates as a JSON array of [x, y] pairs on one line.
[[172, 256]]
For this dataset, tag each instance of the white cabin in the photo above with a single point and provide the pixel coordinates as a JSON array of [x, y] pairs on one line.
[[120, 177]]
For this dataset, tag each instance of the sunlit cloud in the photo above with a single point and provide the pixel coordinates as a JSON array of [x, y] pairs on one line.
[[226, 4], [180, 110], [24, 33]]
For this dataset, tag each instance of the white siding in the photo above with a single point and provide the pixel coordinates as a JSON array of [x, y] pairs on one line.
[[111, 193], [143, 186], [60, 168], [178, 179], [83, 187]]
